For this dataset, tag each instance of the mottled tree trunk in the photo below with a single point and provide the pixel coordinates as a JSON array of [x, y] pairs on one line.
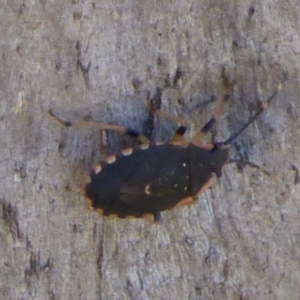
[[97, 60]]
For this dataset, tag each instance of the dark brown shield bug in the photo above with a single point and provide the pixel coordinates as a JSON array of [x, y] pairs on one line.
[[141, 182]]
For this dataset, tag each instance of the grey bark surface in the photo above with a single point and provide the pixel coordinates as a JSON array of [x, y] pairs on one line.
[[97, 60]]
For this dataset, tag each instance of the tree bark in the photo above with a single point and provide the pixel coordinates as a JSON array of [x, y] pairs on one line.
[[98, 60]]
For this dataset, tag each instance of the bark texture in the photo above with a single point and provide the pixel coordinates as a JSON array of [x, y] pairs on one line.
[[97, 60]]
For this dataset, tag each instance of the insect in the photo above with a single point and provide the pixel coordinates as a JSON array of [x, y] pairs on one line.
[[143, 181]]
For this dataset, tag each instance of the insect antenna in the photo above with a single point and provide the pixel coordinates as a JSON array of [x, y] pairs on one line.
[[263, 107]]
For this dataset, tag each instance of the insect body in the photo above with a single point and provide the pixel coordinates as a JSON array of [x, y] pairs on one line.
[[154, 178], [143, 181]]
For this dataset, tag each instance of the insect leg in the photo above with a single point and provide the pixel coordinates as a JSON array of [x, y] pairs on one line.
[[104, 126], [154, 218], [178, 136], [139, 137], [157, 217], [209, 125]]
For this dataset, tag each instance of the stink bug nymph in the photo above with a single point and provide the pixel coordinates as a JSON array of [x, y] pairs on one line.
[[153, 177]]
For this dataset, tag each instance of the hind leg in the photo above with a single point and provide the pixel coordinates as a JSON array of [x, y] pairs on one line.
[[103, 126]]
